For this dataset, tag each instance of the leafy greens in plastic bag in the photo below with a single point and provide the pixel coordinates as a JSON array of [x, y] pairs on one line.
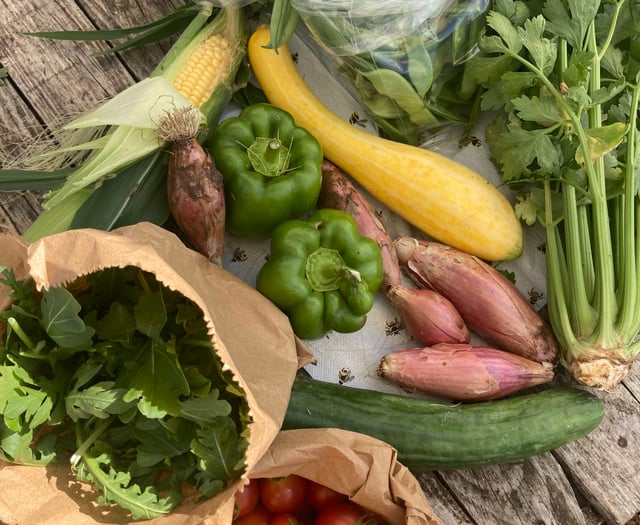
[[402, 60]]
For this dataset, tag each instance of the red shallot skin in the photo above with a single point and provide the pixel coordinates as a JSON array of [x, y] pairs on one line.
[[463, 372], [489, 303], [196, 197], [340, 193], [428, 316]]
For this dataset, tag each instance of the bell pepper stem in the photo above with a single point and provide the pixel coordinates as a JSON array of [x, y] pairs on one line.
[[325, 270], [269, 156]]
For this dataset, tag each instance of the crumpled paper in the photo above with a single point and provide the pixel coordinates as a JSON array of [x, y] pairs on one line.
[[363, 468]]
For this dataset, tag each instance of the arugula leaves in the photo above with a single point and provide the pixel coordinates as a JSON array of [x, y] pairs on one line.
[[117, 374]]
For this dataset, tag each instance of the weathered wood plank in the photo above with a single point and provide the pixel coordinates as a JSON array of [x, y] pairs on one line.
[[605, 465], [18, 125], [17, 211], [128, 13], [49, 81], [535, 490], [442, 501], [632, 383], [57, 78]]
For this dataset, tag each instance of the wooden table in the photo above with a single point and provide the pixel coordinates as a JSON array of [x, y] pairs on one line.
[[595, 480]]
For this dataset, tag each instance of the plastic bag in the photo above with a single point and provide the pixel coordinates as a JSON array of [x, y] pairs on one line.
[[403, 61]]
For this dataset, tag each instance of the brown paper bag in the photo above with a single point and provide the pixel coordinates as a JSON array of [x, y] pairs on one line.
[[252, 337], [364, 468]]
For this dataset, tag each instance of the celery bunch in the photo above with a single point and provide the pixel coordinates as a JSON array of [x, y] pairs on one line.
[[567, 73]]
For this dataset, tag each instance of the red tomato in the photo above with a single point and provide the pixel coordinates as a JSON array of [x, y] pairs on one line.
[[260, 515], [284, 519], [246, 499], [346, 514], [283, 494], [321, 497]]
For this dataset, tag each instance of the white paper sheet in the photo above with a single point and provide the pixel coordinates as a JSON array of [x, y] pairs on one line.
[[353, 358]]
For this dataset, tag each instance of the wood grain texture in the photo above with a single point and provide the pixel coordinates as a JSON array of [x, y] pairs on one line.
[[592, 481]]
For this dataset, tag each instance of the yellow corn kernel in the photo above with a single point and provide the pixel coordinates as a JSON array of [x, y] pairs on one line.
[[206, 68]]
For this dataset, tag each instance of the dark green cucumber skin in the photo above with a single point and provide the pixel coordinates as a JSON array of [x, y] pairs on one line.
[[431, 435]]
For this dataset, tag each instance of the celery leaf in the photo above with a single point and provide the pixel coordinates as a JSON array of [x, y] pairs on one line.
[[542, 50], [521, 152], [602, 140], [543, 110], [509, 38]]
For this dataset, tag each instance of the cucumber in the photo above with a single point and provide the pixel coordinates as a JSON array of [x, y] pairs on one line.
[[432, 435]]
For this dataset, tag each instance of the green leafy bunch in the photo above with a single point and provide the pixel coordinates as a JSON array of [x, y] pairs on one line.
[[564, 76], [539, 67], [405, 63], [116, 374]]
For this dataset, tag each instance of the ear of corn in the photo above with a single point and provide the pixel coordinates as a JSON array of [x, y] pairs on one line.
[[198, 70], [207, 67], [203, 70]]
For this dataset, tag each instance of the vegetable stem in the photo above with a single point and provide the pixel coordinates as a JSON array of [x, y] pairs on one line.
[[603, 250], [583, 315], [556, 277], [628, 316], [15, 326], [76, 457]]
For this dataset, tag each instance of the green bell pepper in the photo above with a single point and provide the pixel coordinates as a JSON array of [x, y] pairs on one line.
[[271, 169], [322, 273]]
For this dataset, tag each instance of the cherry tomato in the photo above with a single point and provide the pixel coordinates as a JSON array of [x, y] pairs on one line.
[[283, 494], [321, 497], [346, 514], [305, 513], [246, 499], [260, 515], [285, 519]]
